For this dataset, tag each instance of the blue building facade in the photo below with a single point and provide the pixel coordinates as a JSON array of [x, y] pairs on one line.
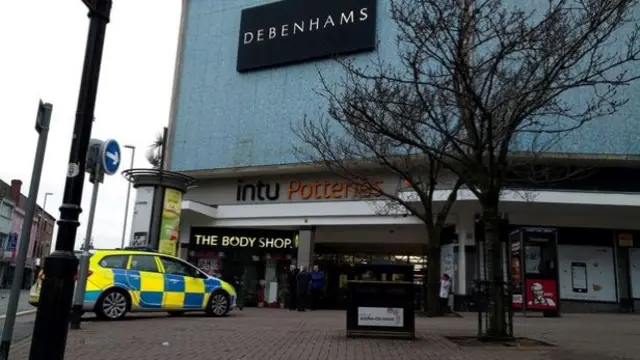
[[224, 119]]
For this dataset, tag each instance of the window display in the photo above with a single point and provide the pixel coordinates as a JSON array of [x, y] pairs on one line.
[[634, 260], [587, 273]]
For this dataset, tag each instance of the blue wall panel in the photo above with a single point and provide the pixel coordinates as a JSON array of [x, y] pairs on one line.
[[226, 119]]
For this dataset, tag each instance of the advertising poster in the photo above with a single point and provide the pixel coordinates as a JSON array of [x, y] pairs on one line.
[[375, 316], [541, 294], [587, 273], [141, 220], [516, 270], [170, 223]]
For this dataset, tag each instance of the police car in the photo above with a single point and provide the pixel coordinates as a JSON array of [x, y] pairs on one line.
[[137, 280]]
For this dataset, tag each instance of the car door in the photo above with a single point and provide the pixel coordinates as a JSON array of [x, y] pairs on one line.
[[145, 281], [191, 292]]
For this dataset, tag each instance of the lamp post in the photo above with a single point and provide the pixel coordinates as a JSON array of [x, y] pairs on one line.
[[52, 318], [126, 209]]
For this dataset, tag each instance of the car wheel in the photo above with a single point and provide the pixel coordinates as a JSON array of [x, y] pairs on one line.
[[176, 313], [113, 305], [218, 304]]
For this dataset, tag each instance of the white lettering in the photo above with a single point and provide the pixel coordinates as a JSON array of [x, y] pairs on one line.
[[345, 19], [364, 14], [207, 240], [248, 37], [244, 241], [314, 23], [329, 21]]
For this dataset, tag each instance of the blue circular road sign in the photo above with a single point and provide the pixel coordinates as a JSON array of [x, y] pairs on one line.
[[110, 156]]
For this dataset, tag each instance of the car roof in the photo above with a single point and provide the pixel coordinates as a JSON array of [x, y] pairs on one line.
[[105, 252]]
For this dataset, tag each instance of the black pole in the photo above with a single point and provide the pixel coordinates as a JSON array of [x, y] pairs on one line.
[[52, 319]]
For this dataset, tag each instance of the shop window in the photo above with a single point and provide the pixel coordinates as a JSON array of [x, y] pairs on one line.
[[114, 261], [144, 263], [175, 267]]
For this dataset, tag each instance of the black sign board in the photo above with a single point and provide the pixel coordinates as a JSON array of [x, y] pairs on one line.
[[291, 31], [218, 238]]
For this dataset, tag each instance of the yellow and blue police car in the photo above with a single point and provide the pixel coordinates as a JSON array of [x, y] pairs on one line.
[[122, 281]]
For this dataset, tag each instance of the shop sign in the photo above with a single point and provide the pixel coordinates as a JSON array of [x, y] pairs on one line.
[[376, 316], [306, 190], [229, 238], [288, 31], [541, 294]]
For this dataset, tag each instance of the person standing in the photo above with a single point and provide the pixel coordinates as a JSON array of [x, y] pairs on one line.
[[445, 288], [292, 282], [304, 280], [317, 285]]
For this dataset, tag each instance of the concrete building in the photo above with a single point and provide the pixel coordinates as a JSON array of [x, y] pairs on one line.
[[230, 128], [39, 241]]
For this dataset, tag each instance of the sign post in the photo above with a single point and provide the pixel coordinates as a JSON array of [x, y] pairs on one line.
[[42, 127], [102, 158]]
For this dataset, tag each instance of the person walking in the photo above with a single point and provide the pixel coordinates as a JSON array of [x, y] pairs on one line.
[[292, 282], [317, 285], [303, 282], [445, 288]]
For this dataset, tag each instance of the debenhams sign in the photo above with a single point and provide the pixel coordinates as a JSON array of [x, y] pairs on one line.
[[291, 31]]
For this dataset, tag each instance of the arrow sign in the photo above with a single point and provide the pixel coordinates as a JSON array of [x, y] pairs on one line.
[[110, 156]]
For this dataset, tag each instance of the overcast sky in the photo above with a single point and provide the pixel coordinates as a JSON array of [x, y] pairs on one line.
[[42, 43]]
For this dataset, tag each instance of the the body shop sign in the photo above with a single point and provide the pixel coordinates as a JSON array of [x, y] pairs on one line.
[[290, 31], [217, 238]]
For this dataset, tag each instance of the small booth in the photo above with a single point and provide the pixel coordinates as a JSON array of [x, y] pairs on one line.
[[534, 271], [381, 296]]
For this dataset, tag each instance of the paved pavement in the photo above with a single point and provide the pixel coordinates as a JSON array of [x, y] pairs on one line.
[[281, 334]]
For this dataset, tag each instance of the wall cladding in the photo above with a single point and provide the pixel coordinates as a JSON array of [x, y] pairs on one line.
[[226, 119]]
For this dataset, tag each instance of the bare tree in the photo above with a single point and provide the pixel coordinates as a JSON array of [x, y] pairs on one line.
[[490, 78], [372, 114]]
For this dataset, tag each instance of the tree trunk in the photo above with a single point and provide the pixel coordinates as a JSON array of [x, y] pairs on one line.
[[433, 276], [497, 326]]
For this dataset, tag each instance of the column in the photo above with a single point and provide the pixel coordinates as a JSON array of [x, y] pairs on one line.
[[464, 230], [306, 246]]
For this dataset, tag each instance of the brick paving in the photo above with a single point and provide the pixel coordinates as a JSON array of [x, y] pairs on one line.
[[282, 334]]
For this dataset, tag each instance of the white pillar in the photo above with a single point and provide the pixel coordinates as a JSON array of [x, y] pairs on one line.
[[464, 230], [306, 247]]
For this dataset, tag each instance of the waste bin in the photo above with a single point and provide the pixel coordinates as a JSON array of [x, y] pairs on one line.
[[381, 300]]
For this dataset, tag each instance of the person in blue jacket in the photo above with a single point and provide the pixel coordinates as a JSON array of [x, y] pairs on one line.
[[317, 286]]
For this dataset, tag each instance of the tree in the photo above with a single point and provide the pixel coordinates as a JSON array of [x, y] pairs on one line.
[[495, 80], [367, 139], [156, 150]]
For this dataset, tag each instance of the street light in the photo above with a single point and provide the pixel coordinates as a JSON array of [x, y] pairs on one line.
[[126, 209], [51, 326]]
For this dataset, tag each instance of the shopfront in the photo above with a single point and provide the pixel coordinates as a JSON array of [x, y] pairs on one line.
[[254, 260]]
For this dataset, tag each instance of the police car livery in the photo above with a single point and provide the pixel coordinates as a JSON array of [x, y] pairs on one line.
[[122, 281]]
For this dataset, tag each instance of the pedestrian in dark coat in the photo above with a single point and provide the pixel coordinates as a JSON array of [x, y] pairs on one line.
[[292, 282], [304, 281]]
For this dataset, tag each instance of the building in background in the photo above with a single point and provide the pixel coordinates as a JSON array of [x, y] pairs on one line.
[[12, 208], [231, 128]]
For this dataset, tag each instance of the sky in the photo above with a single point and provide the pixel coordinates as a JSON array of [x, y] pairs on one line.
[[42, 43]]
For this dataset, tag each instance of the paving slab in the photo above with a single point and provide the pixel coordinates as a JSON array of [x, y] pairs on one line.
[[284, 334]]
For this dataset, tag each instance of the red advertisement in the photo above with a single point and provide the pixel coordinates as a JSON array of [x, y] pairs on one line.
[[541, 294]]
